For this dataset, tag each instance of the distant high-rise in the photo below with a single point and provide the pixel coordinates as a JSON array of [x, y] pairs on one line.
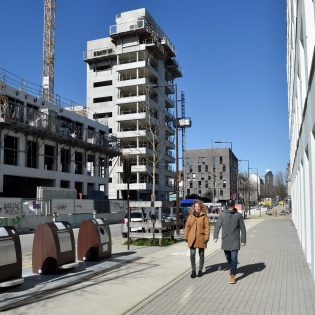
[[211, 173], [268, 183]]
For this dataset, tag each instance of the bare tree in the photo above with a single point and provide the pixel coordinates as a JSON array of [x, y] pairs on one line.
[[154, 125]]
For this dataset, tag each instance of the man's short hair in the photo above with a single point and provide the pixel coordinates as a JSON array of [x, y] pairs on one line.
[[230, 203]]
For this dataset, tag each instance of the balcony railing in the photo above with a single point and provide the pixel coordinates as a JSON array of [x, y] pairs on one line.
[[99, 53]]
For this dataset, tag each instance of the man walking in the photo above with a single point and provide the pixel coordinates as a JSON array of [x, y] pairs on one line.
[[232, 224]]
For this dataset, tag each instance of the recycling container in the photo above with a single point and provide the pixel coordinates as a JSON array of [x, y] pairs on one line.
[[53, 248], [10, 257], [94, 240]]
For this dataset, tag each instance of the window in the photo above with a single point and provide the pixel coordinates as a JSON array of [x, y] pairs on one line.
[[199, 168], [224, 184], [224, 168], [64, 184], [206, 168], [221, 175], [194, 176], [102, 83], [110, 130], [65, 160], [199, 160], [102, 68], [221, 159], [78, 163], [203, 160], [90, 165], [110, 179], [31, 160], [191, 185], [187, 161], [49, 158], [102, 99], [221, 192], [102, 167], [102, 115], [10, 150]]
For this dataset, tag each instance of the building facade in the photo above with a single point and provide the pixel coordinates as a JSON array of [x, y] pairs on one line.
[[211, 173], [301, 107], [257, 187], [268, 184], [43, 144], [131, 82]]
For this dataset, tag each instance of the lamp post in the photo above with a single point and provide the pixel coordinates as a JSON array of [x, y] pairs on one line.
[[248, 186], [255, 168]]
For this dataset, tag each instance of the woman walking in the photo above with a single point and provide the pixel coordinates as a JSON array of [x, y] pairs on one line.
[[197, 235]]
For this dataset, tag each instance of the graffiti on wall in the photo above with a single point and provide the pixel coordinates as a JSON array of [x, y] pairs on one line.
[[10, 221], [10, 208]]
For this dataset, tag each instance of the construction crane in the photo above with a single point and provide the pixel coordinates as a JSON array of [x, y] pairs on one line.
[[49, 49]]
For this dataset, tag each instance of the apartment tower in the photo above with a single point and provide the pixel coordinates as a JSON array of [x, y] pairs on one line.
[[130, 82]]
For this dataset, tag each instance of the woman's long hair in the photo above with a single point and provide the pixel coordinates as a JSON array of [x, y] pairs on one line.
[[204, 209]]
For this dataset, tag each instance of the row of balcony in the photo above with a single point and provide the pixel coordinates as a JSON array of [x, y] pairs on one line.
[[132, 96], [144, 186]]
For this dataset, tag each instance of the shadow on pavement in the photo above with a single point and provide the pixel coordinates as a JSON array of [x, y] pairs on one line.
[[243, 270], [249, 269], [217, 267]]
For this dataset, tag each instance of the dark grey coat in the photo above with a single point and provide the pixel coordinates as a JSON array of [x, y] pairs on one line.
[[232, 224]]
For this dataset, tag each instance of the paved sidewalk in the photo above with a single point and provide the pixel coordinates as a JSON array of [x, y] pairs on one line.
[[273, 279]]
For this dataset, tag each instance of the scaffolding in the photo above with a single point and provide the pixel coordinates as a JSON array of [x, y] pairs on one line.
[[46, 124]]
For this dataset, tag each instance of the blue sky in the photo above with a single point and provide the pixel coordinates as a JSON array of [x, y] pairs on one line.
[[232, 54]]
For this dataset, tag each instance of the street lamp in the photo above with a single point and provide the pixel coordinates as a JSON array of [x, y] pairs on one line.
[[248, 185]]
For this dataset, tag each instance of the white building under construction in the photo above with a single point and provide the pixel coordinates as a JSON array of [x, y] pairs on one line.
[[130, 82], [44, 144]]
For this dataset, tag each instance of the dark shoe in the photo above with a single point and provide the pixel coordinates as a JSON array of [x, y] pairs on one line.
[[200, 274], [193, 274]]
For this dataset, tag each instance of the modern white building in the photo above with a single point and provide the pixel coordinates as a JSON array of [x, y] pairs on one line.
[[301, 102], [44, 144], [257, 187], [130, 82]]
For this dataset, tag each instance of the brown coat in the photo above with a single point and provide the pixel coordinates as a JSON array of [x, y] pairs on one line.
[[197, 230]]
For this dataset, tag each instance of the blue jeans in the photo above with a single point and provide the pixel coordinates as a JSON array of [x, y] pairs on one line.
[[231, 257]]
